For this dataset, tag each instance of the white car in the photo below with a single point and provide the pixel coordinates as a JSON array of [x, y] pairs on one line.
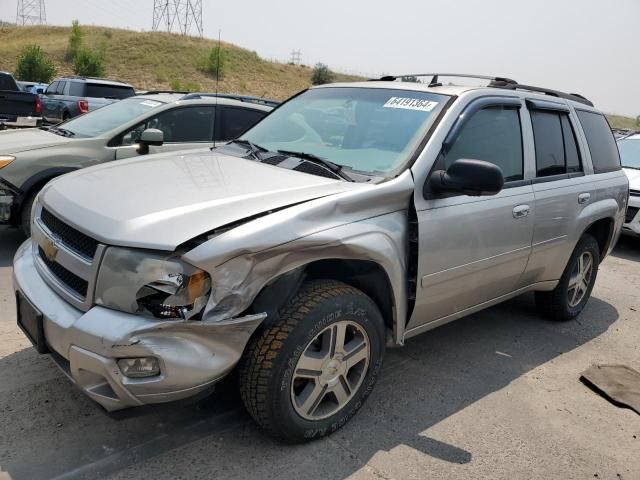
[[630, 156]]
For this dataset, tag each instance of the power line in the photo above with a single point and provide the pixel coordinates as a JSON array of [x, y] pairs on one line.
[[31, 12], [180, 16]]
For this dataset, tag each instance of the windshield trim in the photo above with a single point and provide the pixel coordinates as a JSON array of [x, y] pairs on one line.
[[448, 100]]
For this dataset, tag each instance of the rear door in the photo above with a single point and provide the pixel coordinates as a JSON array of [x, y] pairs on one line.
[[475, 249], [561, 187], [183, 127], [53, 106]]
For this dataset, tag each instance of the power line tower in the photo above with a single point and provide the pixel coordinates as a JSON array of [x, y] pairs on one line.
[[31, 12], [178, 16], [296, 57]]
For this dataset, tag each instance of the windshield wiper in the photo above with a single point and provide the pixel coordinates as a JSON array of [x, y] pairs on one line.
[[62, 131], [310, 157], [253, 148]]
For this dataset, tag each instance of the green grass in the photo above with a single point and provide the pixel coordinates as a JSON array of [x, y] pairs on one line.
[[617, 121], [153, 60]]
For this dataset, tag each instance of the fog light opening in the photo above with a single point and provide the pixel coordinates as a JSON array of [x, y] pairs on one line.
[[142, 367]]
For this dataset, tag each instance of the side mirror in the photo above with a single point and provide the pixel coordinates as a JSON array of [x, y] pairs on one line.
[[150, 137], [469, 177]]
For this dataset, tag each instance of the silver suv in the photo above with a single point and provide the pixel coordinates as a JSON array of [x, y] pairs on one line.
[[353, 217]]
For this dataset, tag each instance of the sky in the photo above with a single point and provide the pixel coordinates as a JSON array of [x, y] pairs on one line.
[[583, 46]]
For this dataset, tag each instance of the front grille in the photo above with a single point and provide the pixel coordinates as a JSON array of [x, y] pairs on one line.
[[631, 213], [71, 237], [68, 278], [634, 193]]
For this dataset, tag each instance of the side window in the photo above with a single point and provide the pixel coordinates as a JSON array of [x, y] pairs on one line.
[[181, 125], [60, 88], [604, 152], [76, 89], [235, 121], [52, 88], [555, 143], [492, 134]]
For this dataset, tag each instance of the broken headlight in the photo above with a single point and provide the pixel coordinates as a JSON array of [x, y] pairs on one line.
[[152, 283]]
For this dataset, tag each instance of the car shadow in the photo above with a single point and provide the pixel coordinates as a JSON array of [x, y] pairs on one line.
[[10, 240], [432, 378], [628, 248]]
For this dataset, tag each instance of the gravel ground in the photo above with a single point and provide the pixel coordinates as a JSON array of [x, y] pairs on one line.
[[495, 395]]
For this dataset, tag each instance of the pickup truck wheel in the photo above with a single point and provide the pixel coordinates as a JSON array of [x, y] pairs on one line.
[[572, 293], [25, 215], [307, 374]]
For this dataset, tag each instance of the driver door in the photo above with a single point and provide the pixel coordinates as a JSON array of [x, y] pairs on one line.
[[184, 128], [475, 249]]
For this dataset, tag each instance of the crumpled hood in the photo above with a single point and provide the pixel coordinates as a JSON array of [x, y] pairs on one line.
[[161, 201], [634, 178], [16, 141]]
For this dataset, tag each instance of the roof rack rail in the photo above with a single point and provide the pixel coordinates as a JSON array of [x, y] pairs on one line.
[[82, 77], [576, 97], [495, 82], [156, 92], [240, 98]]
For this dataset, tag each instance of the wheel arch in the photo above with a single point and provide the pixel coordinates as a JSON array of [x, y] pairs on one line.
[[603, 231], [34, 184]]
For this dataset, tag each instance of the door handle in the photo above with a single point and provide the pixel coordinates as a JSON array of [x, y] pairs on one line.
[[584, 198], [521, 211]]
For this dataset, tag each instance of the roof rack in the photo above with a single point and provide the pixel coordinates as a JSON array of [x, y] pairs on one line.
[[157, 92], [495, 82], [240, 98], [81, 77]]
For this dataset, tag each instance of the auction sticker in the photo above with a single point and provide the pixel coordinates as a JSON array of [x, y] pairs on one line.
[[150, 103], [410, 104]]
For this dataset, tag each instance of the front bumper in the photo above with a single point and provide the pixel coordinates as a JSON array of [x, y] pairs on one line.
[[86, 345], [632, 221]]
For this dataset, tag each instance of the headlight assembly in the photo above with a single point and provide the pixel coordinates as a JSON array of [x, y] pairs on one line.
[[6, 160], [151, 283]]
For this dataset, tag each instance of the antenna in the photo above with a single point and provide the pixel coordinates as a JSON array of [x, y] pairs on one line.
[[178, 16], [215, 115], [31, 12]]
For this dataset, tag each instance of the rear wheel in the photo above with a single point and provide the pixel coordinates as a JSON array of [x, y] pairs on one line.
[[572, 293], [306, 375]]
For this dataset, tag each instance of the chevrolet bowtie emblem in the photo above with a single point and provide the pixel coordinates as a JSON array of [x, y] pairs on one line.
[[50, 250]]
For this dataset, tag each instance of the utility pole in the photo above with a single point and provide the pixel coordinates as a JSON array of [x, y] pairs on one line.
[[296, 57], [180, 16], [31, 12]]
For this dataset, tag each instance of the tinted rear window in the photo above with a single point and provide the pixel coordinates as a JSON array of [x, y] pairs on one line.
[[97, 90], [602, 145], [76, 89], [7, 83]]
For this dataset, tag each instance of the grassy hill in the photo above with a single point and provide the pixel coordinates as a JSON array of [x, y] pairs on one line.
[[152, 60]]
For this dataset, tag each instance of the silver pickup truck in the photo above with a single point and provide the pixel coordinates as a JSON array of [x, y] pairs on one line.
[[352, 218]]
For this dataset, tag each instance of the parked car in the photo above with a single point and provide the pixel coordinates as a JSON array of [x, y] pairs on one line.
[[153, 123], [17, 108], [629, 147], [298, 252], [33, 87], [68, 97]]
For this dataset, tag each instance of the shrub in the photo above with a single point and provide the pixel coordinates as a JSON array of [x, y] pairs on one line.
[[177, 86], [89, 63], [215, 62], [34, 66], [321, 74], [76, 39]]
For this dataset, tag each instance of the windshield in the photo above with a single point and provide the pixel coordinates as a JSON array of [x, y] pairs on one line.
[[366, 129], [107, 118], [630, 152]]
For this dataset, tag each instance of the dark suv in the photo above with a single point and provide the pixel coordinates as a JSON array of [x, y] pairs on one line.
[[68, 97]]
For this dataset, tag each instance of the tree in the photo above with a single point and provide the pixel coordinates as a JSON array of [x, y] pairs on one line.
[[34, 66], [215, 62], [76, 39], [638, 121], [321, 74], [411, 79], [89, 63]]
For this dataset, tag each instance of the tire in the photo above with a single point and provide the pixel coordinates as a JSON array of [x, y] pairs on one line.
[[275, 389], [560, 304], [25, 214]]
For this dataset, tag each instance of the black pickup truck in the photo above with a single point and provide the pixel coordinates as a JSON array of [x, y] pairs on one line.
[[18, 108]]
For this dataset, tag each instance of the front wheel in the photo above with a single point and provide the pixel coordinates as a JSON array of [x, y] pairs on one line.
[[306, 375], [25, 214], [572, 293]]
